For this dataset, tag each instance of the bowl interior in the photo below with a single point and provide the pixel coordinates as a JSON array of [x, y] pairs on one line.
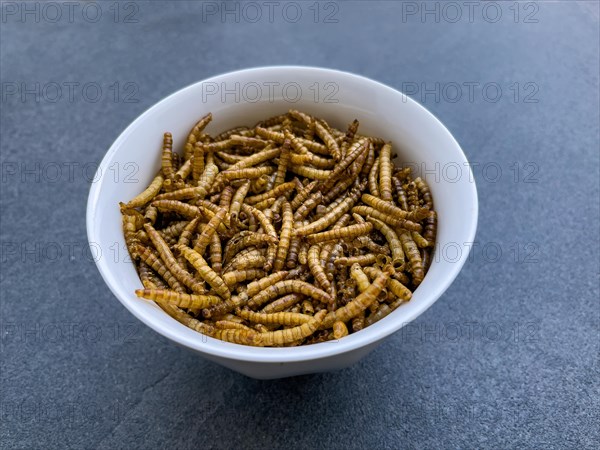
[[418, 138]]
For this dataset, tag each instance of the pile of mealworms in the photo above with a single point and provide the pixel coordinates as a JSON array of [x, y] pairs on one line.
[[291, 232]]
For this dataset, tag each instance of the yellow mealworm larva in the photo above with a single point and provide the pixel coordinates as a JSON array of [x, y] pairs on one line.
[[247, 173], [423, 188], [230, 325], [260, 184], [430, 224], [339, 330], [369, 160], [262, 219], [317, 269], [187, 301], [194, 135], [307, 307], [257, 158], [288, 287], [362, 302], [400, 194], [362, 280], [282, 303], [349, 232], [185, 238], [419, 240], [167, 256], [373, 175], [363, 260], [154, 261], [381, 312], [167, 156], [204, 270], [246, 239], [388, 208], [331, 216], [340, 168], [385, 172], [205, 183], [209, 230], [216, 258], [284, 161], [393, 241], [341, 187], [184, 171], [302, 195], [256, 286], [218, 310], [238, 199], [395, 286], [358, 323], [292, 334], [305, 208], [273, 193], [238, 276], [151, 214], [280, 318], [246, 141], [129, 232], [414, 257], [349, 137], [328, 139], [197, 162], [284, 237], [226, 196], [149, 193], [183, 209], [311, 172], [386, 218], [303, 253], [149, 278]]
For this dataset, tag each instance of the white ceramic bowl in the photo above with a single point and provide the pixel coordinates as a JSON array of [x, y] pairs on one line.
[[243, 98]]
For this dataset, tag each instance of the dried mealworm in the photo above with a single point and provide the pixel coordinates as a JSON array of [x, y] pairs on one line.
[[288, 287], [238, 276], [349, 232], [193, 302], [209, 230], [153, 261], [330, 217], [148, 194], [292, 334], [388, 208], [393, 241], [362, 302], [363, 260], [280, 318], [194, 135], [167, 256], [414, 257], [395, 286], [339, 330], [204, 270], [385, 172], [423, 188], [284, 237], [330, 142], [316, 268], [400, 194], [273, 193], [167, 156], [386, 218], [216, 258], [373, 175]]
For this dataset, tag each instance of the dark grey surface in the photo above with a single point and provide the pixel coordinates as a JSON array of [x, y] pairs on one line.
[[508, 357]]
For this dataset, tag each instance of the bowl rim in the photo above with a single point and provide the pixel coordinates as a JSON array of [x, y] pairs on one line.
[[204, 344]]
